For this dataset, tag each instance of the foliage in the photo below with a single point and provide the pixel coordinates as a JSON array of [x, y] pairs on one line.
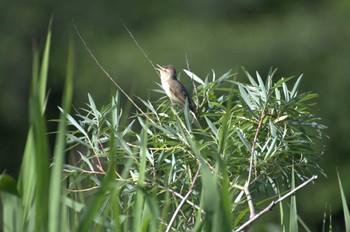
[[167, 169], [156, 169], [34, 203]]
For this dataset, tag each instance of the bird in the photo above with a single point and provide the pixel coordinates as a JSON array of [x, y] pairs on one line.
[[175, 90]]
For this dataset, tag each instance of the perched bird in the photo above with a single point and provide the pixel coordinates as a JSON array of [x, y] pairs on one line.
[[175, 90]]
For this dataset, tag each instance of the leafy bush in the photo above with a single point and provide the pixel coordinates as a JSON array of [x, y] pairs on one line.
[[191, 170], [165, 169]]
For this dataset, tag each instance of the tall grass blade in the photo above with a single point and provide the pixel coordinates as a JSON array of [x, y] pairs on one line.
[[55, 209], [11, 204], [34, 173], [44, 69], [293, 214], [140, 198], [345, 205]]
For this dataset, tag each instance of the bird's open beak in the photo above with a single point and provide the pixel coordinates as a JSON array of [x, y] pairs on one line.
[[160, 68]]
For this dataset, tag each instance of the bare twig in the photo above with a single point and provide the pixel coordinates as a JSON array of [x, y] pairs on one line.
[[109, 76], [84, 171], [181, 197], [245, 189], [262, 116], [138, 45], [194, 86], [273, 203], [247, 184], [183, 200], [82, 190], [99, 166]]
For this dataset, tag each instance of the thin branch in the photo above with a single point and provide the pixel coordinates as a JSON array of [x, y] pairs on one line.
[[138, 45], [82, 190], [246, 186], [181, 197], [262, 116], [194, 88], [99, 166], [183, 200], [246, 191], [107, 74], [273, 203], [250, 201], [83, 171]]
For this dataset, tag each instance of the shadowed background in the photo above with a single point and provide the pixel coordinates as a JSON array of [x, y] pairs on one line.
[[297, 37]]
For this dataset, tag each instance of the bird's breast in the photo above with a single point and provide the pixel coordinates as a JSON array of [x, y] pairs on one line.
[[167, 89]]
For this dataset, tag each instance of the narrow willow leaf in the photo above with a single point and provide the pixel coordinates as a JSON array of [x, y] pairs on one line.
[[272, 148], [142, 123], [127, 130], [251, 79], [87, 161], [123, 144], [270, 78], [213, 129], [92, 105], [308, 96], [244, 140], [214, 75], [194, 76], [76, 124], [294, 91], [280, 119], [252, 94], [187, 116], [273, 129], [245, 97], [224, 77], [166, 129], [285, 92], [263, 90], [149, 106]]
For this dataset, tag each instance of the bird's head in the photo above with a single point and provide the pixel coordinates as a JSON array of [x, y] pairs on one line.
[[166, 72]]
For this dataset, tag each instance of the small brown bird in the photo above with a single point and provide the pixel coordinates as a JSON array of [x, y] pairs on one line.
[[175, 90]]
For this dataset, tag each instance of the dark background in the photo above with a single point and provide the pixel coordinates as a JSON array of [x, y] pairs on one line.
[[297, 37]]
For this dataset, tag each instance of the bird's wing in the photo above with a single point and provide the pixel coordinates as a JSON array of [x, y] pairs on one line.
[[180, 93]]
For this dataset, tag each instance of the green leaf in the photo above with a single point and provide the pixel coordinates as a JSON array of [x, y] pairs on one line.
[[8, 184], [285, 92], [251, 79], [293, 93], [272, 148], [76, 124], [345, 205], [92, 105], [244, 140], [224, 77], [213, 129], [55, 210], [194, 77], [293, 215], [245, 97], [187, 116], [263, 90]]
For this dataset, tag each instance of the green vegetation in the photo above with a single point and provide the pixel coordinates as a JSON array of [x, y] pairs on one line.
[[157, 169]]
